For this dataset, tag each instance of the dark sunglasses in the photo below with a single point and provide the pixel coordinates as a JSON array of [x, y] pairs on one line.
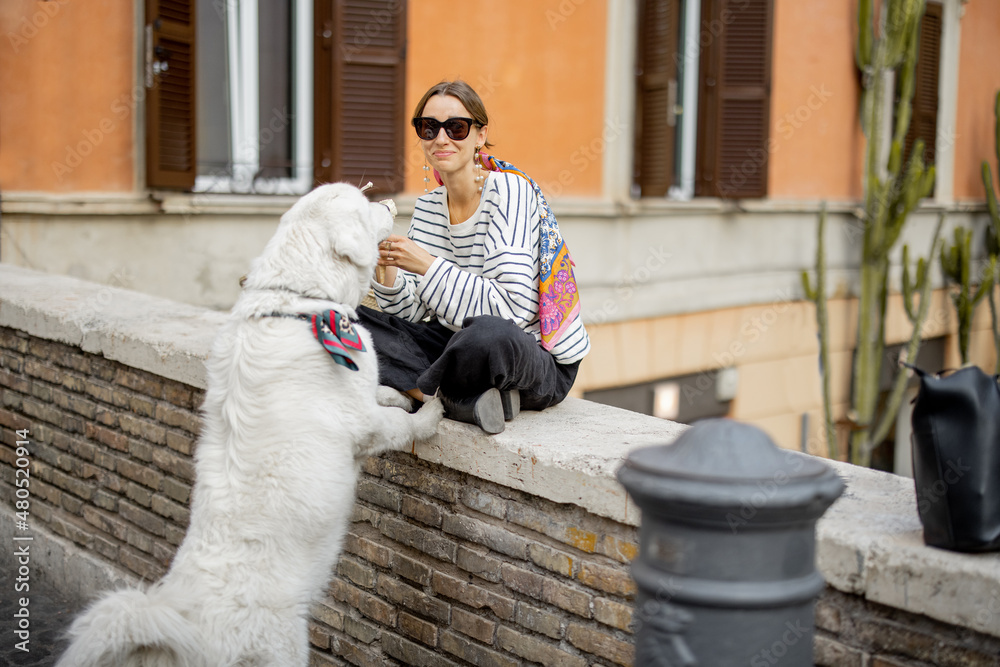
[[455, 128]]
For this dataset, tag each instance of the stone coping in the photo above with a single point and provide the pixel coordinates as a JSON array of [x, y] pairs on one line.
[[168, 202], [869, 542], [150, 333]]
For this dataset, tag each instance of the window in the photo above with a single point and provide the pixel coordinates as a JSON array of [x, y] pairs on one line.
[[685, 399], [360, 76], [283, 94], [254, 96], [923, 122], [657, 100], [170, 96], [703, 98]]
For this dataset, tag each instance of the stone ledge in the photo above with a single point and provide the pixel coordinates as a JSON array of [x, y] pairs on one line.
[[567, 454], [164, 337], [869, 542]]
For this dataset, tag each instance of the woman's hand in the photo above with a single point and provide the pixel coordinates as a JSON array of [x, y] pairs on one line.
[[401, 252]]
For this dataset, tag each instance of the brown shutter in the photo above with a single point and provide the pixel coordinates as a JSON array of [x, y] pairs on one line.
[[170, 93], [923, 123], [735, 98], [656, 96], [323, 93], [360, 69]]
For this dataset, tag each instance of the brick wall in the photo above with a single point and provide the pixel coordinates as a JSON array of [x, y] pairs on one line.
[[110, 450], [111, 466], [854, 632], [440, 567]]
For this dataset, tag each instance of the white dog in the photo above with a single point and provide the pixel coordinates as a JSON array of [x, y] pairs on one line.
[[284, 429]]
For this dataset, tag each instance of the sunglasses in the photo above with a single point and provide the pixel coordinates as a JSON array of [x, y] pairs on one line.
[[455, 128]]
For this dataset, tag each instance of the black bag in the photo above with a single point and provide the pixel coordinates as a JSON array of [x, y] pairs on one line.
[[956, 459]]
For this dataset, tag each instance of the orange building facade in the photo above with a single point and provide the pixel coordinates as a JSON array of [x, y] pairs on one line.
[[688, 250]]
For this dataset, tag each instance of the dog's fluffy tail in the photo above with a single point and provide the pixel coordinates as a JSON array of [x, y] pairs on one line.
[[131, 628]]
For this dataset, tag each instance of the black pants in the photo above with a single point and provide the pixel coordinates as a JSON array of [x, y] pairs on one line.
[[487, 352]]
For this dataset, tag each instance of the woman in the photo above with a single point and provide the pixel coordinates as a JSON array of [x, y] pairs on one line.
[[460, 293]]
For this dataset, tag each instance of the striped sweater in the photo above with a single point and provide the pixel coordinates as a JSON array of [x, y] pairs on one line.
[[487, 265]]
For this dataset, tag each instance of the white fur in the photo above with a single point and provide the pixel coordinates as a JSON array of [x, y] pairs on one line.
[[284, 430]]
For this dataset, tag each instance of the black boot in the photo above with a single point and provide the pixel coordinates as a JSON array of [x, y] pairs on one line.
[[485, 410], [511, 404]]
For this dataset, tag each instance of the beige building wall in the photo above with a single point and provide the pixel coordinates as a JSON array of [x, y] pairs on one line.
[[774, 348]]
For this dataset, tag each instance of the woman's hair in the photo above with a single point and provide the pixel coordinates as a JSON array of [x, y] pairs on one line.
[[465, 94]]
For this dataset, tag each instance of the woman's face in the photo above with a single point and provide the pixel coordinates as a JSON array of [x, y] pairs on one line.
[[443, 153]]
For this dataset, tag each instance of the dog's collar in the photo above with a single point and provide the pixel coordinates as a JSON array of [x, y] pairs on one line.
[[335, 332], [297, 316]]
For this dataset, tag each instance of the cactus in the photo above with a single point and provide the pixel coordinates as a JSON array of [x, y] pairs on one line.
[[955, 262], [917, 314], [818, 296], [993, 230], [892, 190]]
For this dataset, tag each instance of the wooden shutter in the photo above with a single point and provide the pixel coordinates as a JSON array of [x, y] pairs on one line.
[[170, 93], [923, 123], [656, 96], [735, 98], [360, 70]]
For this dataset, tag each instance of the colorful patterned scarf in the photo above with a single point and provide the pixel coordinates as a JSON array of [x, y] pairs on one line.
[[559, 299], [335, 333], [338, 336]]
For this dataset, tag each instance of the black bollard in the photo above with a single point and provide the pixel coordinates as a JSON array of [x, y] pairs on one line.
[[726, 569]]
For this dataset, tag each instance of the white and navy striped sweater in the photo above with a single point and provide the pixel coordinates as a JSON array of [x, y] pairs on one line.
[[487, 265]]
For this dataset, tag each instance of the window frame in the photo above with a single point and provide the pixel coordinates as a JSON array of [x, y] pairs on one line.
[[703, 132], [244, 67]]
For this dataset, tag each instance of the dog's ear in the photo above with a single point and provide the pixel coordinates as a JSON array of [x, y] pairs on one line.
[[350, 238], [321, 246], [342, 212]]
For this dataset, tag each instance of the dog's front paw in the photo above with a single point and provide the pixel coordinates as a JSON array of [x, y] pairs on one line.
[[391, 398], [427, 419]]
